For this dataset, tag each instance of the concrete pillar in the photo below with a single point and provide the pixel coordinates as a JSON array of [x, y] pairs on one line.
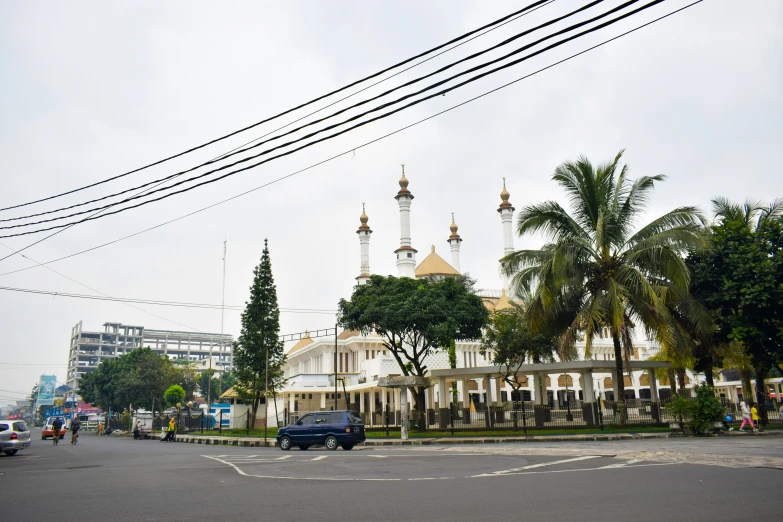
[[541, 409], [616, 385], [291, 403], [444, 413], [361, 401], [466, 401], [488, 421], [323, 400], [499, 391], [655, 411], [589, 411]]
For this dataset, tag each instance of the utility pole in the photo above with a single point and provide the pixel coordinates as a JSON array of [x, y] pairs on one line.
[[266, 385], [335, 366], [222, 313]]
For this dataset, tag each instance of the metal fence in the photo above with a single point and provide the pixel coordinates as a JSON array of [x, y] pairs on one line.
[[525, 415]]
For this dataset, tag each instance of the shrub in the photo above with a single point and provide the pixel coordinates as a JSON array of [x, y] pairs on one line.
[[174, 394], [706, 409]]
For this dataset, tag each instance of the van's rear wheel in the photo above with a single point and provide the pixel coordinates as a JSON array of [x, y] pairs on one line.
[[331, 442], [347, 447], [285, 443]]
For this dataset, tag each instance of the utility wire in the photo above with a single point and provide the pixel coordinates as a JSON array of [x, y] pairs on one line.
[[156, 302], [366, 144], [375, 75], [382, 116], [161, 182], [237, 150]]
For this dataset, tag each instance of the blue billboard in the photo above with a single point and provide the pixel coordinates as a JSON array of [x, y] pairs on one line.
[[46, 388]]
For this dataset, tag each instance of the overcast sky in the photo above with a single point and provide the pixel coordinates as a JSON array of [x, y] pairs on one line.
[[89, 90]]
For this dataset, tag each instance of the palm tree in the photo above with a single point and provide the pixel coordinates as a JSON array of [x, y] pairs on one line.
[[595, 268]]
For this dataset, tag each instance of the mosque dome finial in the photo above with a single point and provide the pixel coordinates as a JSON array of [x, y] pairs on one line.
[[363, 218], [504, 195]]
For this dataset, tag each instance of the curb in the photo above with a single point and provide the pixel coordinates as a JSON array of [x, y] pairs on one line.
[[256, 443]]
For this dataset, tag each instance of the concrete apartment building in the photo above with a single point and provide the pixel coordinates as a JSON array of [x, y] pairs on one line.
[[88, 349]]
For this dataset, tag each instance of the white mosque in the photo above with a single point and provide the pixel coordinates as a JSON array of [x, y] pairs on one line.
[[362, 359]]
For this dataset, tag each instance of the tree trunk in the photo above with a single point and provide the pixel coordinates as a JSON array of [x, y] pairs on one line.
[[672, 380], [254, 408], [618, 361], [747, 389], [681, 378], [421, 408], [761, 394], [709, 376]]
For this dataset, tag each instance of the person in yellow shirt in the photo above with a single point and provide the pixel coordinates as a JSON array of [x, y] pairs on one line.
[[754, 415]]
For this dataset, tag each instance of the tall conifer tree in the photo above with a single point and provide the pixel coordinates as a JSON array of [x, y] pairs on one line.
[[259, 335]]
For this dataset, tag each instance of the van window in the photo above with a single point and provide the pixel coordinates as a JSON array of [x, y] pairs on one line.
[[323, 418], [3, 426], [353, 418], [305, 419]]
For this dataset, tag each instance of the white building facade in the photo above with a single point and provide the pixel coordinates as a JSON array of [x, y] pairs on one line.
[[359, 361]]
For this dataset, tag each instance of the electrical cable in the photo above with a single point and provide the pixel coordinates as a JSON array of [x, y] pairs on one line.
[[237, 149], [375, 75], [383, 116], [158, 303], [242, 149], [366, 144]]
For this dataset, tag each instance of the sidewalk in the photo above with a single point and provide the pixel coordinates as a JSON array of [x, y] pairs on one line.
[[257, 442]]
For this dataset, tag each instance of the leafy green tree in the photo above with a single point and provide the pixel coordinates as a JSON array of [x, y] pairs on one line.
[[510, 343], [219, 383], [594, 267], [259, 340], [740, 278], [415, 318], [174, 394]]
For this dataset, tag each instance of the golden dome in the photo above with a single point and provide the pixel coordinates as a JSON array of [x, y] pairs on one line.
[[404, 186], [504, 195], [454, 229], [363, 218]]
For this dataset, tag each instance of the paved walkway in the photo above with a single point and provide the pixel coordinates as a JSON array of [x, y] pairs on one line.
[[257, 442]]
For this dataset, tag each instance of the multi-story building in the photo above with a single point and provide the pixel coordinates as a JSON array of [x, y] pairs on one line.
[[88, 349]]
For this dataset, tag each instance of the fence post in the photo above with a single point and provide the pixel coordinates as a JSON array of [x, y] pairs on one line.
[[220, 425], [247, 423], [202, 422], [386, 419], [451, 417]]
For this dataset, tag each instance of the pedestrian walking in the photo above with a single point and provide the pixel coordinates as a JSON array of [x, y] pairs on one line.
[[754, 416], [137, 431], [745, 416], [172, 430]]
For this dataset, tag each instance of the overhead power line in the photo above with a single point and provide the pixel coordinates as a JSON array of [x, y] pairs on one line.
[[360, 124], [366, 144], [288, 111], [243, 149], [237, 150], [157, 302]]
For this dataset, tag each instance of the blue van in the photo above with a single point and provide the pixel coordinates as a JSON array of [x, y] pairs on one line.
[[323, 428]]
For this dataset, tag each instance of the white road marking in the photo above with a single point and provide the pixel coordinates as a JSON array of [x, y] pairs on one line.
[[379, 456], [602, 468], [432, 478], [621, 464], [283, 457], [541, 465], [321, 457], [322, 479]]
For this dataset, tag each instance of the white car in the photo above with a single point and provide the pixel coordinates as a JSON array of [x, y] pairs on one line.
[[14, 435]]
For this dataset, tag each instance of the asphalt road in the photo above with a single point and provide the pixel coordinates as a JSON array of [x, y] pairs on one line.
[[112, 478]]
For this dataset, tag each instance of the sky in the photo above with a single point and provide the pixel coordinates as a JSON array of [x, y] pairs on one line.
[[90, 90]]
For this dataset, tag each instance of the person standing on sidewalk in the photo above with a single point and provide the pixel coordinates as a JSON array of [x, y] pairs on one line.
[[754, 416], [745, 416]]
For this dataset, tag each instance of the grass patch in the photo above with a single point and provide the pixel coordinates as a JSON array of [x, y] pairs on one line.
[[413, 434]]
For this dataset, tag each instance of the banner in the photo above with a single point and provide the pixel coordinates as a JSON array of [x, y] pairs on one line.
[[46, 388]]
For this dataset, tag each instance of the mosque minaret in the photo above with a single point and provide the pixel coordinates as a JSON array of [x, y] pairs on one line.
[[454, 241], [406, 254], [364, 241], [506, 211]]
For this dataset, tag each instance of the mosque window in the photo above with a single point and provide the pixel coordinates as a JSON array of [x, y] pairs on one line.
[[410, 255]]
